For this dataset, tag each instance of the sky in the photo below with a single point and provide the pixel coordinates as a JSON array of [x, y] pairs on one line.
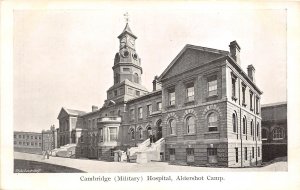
[[64, 58]]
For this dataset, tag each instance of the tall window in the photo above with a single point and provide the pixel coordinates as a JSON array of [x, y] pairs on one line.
[[236, 155], [212, 155], [132, 134], [149, 110], [257, 130], [233, 85], [136, 78], [140, 133], [243, 95], [257, 105], [132, 114], [258, 151], [158, 105], [212, 87], [172, 154], [251, 128], [264, 135], [252, 152], [140, 112], [244, 125], [172, 97], [101, 135], [245, 148], [113, 133], [234, 123], [251, 100], [190, 155], [172, 126], [190, 124], [190, 92], [212, 122], [278, 133]]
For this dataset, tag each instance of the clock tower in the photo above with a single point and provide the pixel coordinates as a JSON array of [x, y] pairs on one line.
[[127, 69]]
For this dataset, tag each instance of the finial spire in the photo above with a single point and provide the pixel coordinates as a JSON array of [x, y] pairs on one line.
[[126, 16]]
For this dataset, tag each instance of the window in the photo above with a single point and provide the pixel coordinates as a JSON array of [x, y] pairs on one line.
[[257, 130], [140, 112], [258, 151], [158, 105], [172, 154], [172, 124], [132, 114], [126, 69], [251, 128], [172, 97], [35, 137], [244, 126], [243, 95], [112, 152], [132, 134], [278, 133], [140, 133], [264, 134], [212, 87], [190, 92], [30, 137], [130, 91], [252, 152], [236, 155], [149, 110], [40, 144], [233, 85], [251, 100], [115, 92], [90, 124], [113, 133], [190, 124], [212, 155], [190, 155], [136, 78], [212, 122], [245, 148], [94, 123], [138, 93], [101, 135], [257, 105], [40, 137], [234, 123]]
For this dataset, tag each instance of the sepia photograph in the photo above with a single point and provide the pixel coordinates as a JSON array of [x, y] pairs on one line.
[[145, 92]]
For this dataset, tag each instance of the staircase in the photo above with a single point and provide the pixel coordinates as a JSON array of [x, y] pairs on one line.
[[66, 151], [147, 152]]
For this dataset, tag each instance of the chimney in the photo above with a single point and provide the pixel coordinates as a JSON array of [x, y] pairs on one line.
[[94, 108], [156, 84], [251, 72], [235, 51]]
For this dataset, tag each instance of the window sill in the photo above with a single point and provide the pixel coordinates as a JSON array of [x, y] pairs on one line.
[[212, 96], [190, 134], [212, 132]]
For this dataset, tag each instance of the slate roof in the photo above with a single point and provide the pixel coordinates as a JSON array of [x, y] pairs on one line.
[[127, 30]]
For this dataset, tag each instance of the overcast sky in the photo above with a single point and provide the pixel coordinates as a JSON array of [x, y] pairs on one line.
[[65, 58]]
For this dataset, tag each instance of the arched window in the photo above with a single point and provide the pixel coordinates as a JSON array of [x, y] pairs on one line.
[[264, 133], [212, 122], [93, 139], [190, 124], [257, 129], [234, 123], [140, 133], [172, 127], [244, 125], [136, 78], [278, 133], [132, 134]]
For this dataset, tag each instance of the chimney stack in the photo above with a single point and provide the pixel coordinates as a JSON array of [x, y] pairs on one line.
[[235, 51], [94, 108], [156, 85], [251, 72]]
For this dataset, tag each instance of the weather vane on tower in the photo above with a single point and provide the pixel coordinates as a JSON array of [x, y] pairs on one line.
[[126, 16]]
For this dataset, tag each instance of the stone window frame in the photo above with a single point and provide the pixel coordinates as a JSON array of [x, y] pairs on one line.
[[140, 132], [251, 97], [188, 85], [186, 124], [244, 131], [170, 130], [209, 127], [140, 112], [132, 134], [149, 109], [244, 87], [211, 79], [157, 106], [246, 153], [171, 102], [234, 122], [233, 86], [110, 134]]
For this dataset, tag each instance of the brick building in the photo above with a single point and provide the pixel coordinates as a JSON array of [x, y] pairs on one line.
[[274, 130], [203, 110], [30, 142]]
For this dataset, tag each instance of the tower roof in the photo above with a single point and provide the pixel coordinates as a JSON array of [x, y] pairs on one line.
[[127, 30]]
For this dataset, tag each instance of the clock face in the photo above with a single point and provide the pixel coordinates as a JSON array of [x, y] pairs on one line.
[[131, 42]]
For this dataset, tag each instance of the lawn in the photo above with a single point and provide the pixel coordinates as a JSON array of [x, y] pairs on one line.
[[26, 166]]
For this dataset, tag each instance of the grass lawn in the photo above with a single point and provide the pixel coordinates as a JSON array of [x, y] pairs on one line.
[[27, 166]]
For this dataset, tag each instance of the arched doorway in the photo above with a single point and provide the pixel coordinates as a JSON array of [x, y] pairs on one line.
[[159, 130]]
